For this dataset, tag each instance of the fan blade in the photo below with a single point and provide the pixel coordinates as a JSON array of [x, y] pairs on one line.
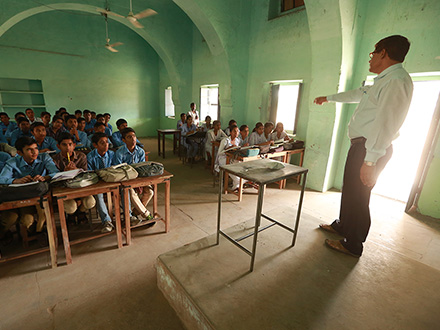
[[116, 44], [145, 13], [108, 12], [135, 22], [110, 48]]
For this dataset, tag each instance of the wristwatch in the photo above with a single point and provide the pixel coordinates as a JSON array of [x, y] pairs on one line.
[[370, 163]]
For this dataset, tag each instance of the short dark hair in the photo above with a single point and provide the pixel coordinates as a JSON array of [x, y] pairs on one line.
[[29, 109], [70, 117], [21, 119], [21, 114], [78, 111], [188, 117], [65, 136], [268, 124], [97, 124], [243, 127], [98, 136], [93, 112], [44, 113], [233, 126], [182, 114], [396, 47], [120, 121], [23, 142], [86, 111], [99, 116], [4, 114], [62, 109], [36, 124], [127, 130], [80, 119], [107, 114], [232, 121], [56, 117], [192, 103]]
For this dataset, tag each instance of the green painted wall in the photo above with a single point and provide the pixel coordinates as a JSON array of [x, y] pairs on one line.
[[124, 84]]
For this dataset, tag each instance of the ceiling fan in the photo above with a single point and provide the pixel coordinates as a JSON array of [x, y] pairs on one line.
[[110, 47], [131, 17]]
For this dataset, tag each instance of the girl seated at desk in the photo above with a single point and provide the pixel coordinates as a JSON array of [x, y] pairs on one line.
[[261, 134], [225, 144], [279, 133], [214, 134]]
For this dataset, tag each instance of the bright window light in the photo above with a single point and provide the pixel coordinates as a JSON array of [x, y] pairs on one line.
[[287, 105], [209, 102], [169, 105]]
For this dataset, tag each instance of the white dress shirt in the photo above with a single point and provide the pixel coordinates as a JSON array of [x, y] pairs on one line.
[[381, 111]]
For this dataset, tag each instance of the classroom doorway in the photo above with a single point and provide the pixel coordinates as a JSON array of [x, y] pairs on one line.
[[398, 176]]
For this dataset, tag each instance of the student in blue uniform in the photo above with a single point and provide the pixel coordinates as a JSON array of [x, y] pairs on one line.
[[130, 153], [24, 129], [44, 143], [56, 128], [4, 157], [98, 128], [98, 159], [2, 137], [101, 119], [107, 117], [6, 126], [188, 129], [28, 166], [116, 137], [182, 121], [90, 123], [80, 138]]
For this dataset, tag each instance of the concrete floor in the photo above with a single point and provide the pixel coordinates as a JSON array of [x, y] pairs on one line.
[[395, 283]]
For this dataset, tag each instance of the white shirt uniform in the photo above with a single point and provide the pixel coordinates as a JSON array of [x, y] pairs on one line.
[[211, 136], [256, 138]]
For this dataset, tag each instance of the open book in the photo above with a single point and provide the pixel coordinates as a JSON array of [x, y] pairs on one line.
[[61, 176]]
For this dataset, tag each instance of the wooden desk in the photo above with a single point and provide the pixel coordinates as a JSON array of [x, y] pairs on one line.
[[50, 224], [142, 182], [62, 193], [176, 138], [285, 155]]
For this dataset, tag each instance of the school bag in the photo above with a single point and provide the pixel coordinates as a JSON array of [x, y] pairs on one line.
[[148, 168], [23, 191], [84, 179], [297, 144], [118, 173]]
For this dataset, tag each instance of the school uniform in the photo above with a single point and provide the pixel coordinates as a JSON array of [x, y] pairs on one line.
[[4, 157], [48, 143], [110, 128], [191, 146], [195, 116], [96, 162], [243, 141], [7, 130], [180, 123], [3, 137], [211, 136], [117, 140], [18, 133], [256, 138], [36, 120], [274, 136], [89, 138], [55, 135], [108, 131], [221, 158], [89, 126], [83, 140], [17, 168]]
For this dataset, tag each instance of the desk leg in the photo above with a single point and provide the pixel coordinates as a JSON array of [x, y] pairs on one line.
[[110, 206], [163, 146], [127, 216], [64, 231], [298, 213], [51, 234], [212, 158], [219, 211], [240, 190], [116, 203], [154, 200], [257, 224], [158, 143], [301, 160], [167, 205], [225, 182]]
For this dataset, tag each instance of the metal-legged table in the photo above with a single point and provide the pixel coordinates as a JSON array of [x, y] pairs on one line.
[[261, 172]]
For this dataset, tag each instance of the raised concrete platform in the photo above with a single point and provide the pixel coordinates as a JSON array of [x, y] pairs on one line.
[[305, 287]]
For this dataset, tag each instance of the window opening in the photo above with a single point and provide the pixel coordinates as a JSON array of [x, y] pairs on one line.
[[285, 103], [209, 102], [169, 104]]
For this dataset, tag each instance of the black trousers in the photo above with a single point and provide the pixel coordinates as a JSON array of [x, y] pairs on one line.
[[354, 217]]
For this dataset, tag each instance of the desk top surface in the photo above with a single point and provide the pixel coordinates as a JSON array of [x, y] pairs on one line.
[[101, 185], [263, 171], [139, 181], [168, 130]]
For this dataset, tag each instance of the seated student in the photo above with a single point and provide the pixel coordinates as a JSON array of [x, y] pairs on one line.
[[232, 122], [244, 136], [81, 124], [93, 114], [7, 126], [2, 137], [80, 138], [78, 113], [225, 144], [65, 115], [66, 160], [107, 117], [45, 118], [61, 111], [101, 119], [214, 134], [98, 128], [207, 125], [4, 157], [56, 128], [191, 146], [90, 123], [31, 116], [44, 143], [116, 137], [130, 153], [258, 137], [24, 129], [182, 121], [268, 129], [98, 159], [28, 166], [258, 124], [279, 133]]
